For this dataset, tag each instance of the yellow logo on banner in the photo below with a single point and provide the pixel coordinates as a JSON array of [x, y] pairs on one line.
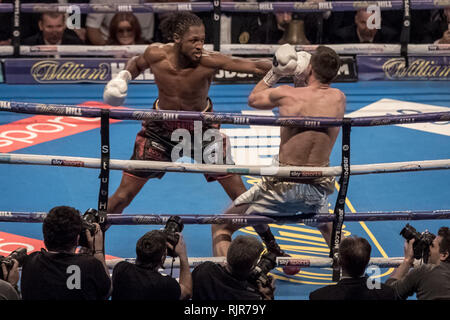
[[395, 68], [49, 70]]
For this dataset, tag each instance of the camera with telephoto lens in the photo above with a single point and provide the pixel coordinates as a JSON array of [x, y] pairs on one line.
[[421, 246], [260, 272], [18, 254], [90, 217], [173, 225]]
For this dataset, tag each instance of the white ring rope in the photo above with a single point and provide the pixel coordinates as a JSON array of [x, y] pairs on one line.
[[287, 172], [232, 49], [280, 261]]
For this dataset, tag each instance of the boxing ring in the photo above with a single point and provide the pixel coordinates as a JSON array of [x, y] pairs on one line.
[[421, 190], [54, 134]]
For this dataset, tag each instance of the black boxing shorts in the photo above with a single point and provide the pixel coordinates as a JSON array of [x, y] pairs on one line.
[[154, 142]]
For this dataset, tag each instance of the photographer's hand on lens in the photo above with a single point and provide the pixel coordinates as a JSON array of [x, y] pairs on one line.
[[180, 248], [95, 242], [409, 251], [13, 275], [267, 291]]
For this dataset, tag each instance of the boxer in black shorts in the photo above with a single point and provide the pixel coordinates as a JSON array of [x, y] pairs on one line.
[[183, 73], [154, 142]]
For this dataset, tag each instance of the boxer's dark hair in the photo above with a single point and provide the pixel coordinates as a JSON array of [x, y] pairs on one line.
[[325, 64], [178, 23]]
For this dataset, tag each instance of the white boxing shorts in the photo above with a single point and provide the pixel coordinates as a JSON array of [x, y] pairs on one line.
[[272, 197]]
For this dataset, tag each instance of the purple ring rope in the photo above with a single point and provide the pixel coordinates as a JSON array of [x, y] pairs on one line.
[[155, 219], [227, 6], [6, 7], [218, 117]]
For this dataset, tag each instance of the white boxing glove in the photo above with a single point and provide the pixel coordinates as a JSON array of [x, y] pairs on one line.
[[300, 75], [284, 64], [116, 89]]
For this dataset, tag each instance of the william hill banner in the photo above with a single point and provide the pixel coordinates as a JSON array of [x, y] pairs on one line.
[[394, 68], [40, 71]]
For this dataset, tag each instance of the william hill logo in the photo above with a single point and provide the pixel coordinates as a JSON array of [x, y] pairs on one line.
[[55, 71], [420, 68]]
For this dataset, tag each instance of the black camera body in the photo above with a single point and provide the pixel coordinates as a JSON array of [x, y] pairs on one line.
[[260, 272], [421, 246], [173, 225], [18, 254], [90, 217]]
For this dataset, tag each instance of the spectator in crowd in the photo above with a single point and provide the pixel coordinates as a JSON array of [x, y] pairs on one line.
[[291, 27], [29, 21], [236, 27], [440, 27], [363, 32], [79, 30], [354, 256], [53, 31], [8, 286], [142, 281], [274, 27], [125, 29], [430, 281], [214, 281], [5, 27], [59, 273], [98, 24]]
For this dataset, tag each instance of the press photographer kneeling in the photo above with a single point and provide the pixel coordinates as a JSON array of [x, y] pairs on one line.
[[431, 280], [59, 273], [244, 277], [142, 280]]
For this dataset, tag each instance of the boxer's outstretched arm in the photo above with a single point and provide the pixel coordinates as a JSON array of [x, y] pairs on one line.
[[244, 65]]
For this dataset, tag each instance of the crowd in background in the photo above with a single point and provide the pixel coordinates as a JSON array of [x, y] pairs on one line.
[[428, 26]]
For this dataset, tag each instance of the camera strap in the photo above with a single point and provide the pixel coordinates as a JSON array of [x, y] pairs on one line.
[[171, 267], [339, 208]]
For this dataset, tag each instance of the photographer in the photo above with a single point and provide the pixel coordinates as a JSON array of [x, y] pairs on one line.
[[142, 281], [59, 273], [430, 281], [354, 257], [9, 280], [238, 279]]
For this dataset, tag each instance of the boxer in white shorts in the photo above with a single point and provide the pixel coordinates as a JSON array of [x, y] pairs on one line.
[[312, 96]]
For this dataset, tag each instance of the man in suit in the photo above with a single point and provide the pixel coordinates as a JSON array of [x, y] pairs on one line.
[[360, 32], [354, 256], [53, 31]]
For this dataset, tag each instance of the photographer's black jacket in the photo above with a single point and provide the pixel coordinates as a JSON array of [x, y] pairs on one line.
[[52, 276], [353, 289], [211, 281], [134, 282]]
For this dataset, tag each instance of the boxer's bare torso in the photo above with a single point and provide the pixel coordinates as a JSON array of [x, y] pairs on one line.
[[305, 146], [184, 72]]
